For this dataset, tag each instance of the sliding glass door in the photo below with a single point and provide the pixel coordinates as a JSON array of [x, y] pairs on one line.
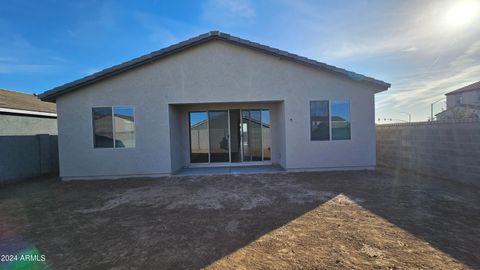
[[235, 136], [266, 150], [251, 135], [219, 138], [199, 137], [230, 136]]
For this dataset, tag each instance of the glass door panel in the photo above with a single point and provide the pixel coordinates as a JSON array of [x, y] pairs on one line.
[[245, 137], [198, 137], [255, 135], [266, 135], [219, 141], [236, 155], [252, 135]]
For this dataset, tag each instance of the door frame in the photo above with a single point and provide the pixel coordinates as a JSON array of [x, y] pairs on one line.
[[229, 163]]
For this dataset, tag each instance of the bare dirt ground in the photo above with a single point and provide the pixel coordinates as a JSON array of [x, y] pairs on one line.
[[332, 220]]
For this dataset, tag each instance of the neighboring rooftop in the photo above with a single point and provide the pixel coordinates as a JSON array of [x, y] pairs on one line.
[[17, 101], [51, 95], [470, 87]]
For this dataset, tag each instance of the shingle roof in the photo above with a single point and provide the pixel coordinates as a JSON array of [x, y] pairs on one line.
[[22, 101], [470, 87], [213, 35]]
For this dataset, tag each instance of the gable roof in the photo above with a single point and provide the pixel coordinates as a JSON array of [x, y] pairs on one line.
[[470, 87], [22, 103], [51, 95]]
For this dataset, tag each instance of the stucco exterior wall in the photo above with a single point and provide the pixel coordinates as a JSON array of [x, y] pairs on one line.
[[19, 125], [469, 97], [215, 72], [178, 127]]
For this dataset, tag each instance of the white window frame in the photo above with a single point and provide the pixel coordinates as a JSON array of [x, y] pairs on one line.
[[330, 119], [113, 127]]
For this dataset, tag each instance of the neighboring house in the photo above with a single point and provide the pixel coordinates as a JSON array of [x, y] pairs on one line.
[[463, 103], [28, 141], [200, 103], [25, 114]]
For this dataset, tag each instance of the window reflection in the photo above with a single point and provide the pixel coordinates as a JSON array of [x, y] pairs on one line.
[[252, 135], [198, 137], [124, 127], [218, 132], [113, 127], [340, 120], [102, 127], [319, 121], [266, 135]]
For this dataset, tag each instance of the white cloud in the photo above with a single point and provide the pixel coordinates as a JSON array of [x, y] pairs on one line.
[[94, 21], [10, 68], [413, 27], [410, 49], [415, 91], [407, 43], [19, 56], [227, 12], [159, 29]]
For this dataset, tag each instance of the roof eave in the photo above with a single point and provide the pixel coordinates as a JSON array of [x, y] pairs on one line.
[[463, 91], [52, 94]]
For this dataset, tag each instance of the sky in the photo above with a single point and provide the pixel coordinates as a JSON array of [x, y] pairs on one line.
[[423, 48]]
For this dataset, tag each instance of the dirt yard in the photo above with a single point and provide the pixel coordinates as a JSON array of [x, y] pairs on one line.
[[334, 220]]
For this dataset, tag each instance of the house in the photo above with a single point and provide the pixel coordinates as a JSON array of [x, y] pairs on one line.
[[28, 141], [25, 114], [463, 103], [215, 100]]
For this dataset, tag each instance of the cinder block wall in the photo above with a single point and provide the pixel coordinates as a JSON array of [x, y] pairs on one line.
[[444, 149], [27, 156]]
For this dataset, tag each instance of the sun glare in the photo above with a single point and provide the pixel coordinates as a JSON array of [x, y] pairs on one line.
[[463, 12]]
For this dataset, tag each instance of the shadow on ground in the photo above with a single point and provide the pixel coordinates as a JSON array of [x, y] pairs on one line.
[[358, 220]]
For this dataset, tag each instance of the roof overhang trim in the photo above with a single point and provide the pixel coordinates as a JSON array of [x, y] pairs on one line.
[[52, 94]]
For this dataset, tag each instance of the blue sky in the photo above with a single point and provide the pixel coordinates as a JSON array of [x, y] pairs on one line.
[[414, 45]]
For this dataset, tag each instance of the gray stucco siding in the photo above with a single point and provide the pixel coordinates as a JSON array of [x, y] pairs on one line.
[[215, 72], [16, 125]]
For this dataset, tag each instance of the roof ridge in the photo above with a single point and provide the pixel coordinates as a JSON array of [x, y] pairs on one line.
[[18, 92], [16, 100], [469, 87], [51, 94]]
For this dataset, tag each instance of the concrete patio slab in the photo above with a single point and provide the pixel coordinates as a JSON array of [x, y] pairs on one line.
[[258, 169]]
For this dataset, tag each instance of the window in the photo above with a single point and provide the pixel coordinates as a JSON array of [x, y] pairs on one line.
[[124, 127], [113, 127], [103, 127], [319, 121], [329, 120], [340, 120]]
